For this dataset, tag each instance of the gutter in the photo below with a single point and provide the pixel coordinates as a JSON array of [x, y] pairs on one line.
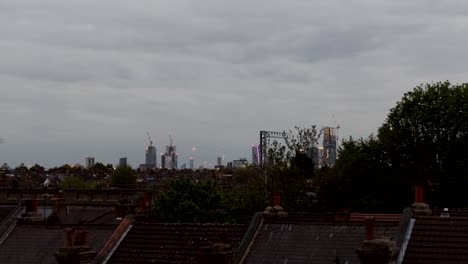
[[114, 241]]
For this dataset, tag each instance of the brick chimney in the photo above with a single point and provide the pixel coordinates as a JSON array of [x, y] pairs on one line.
[[275, 209], [377, 251], [370, 227], [31, 214], [75, 249], [419, 206], [216, 253]]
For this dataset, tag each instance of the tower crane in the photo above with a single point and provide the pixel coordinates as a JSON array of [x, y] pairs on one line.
[[149, 137]]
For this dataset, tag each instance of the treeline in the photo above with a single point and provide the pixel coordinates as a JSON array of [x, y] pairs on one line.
[[423, 141]]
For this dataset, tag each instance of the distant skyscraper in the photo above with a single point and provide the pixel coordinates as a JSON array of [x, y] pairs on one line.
[[89, 162], [329, 146], [163, 161], [191, 163], [240, 163], [219, 161], [170, 157], [123, 162], [150, 154], [255, 155]]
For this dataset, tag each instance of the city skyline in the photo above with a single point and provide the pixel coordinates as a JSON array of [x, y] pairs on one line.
[[89, 78]]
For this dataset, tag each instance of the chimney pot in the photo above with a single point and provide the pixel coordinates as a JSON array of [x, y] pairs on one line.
[[419, 194], [370, 228]]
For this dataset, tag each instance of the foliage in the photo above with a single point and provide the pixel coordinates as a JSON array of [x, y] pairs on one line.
[[189, 202], [361, 180], [425, 137], [72, 182], [288, 166], [242, 202], [124, 177], [243, 175], [186, 201], [303, 140]]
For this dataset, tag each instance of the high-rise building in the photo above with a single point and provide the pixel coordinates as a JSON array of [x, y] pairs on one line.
[[123, 162], [240, 163], [329, 146], [150, 154], [170, 157], [89, 162], [219, 161], [163, 161], [255, 155], [191, 163]]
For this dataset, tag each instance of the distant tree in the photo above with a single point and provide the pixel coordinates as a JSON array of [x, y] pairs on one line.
[[124, 177], [21, 169], [425, 138], [361, 180], [37, 168], [240, 203], [72, 182], [243, 175], [189, 202], [99, 167]]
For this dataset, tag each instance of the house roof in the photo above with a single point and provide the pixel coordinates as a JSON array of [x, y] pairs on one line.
[[312, 239], [172, 243], [29, 243], [6, 210], [436, 239], [74, 215]]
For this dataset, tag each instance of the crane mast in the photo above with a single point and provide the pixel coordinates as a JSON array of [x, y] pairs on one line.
[[149, 137]]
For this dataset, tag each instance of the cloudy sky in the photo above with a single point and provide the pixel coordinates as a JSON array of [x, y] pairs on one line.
[[90, 78]]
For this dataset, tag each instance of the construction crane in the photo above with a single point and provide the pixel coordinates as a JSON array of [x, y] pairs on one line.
[[149, 137]]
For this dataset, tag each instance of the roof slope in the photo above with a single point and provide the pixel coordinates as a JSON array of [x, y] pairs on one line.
[[172, 243], [38, 243], [436, 239], [291, 240]]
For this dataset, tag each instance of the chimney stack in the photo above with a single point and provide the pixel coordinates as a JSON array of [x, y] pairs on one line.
[[419, 207], [75, 249], [216, 253], [419, 194], [370, 226]]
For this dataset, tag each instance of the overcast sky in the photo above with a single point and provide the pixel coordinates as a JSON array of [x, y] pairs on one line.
[[90, 78]]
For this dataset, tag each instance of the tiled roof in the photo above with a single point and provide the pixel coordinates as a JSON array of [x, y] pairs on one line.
[[5, 211], [87, 215], [378, 217], [307, 239], [436, 239], [172, 243], [38, 243]]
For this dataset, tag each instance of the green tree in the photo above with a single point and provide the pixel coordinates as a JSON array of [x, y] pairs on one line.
[[244, 175], [361, 180], [189, 202], [72, 182], [425, 137], [124, 177]]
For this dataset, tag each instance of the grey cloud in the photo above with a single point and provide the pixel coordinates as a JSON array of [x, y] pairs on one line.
[[91, 77]]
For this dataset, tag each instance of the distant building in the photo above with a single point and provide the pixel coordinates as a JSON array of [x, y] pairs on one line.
[[329, 146], [191, 163], [89, 162], [255, 155], [219, 161], [240, 163], [123, 162], [163, 161], [170, 157], [150, 156]]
